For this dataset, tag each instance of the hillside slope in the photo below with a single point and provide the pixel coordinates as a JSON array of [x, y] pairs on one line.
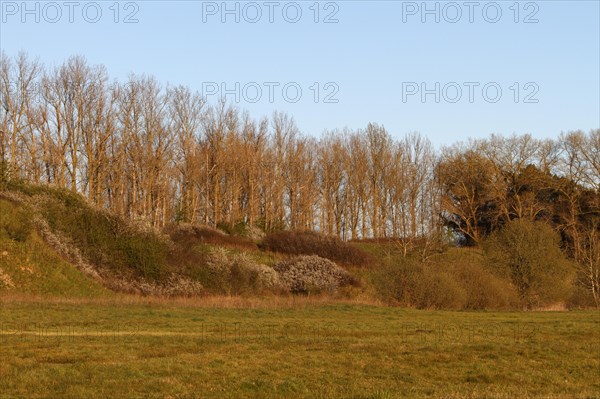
[[53, 242], [28, 265]]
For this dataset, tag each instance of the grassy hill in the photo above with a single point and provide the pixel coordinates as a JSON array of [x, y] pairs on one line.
[[72, 247], [28, 265], [53, 242], [56, 243]]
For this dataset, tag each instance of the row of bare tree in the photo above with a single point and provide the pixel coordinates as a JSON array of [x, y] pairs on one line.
[[164, 154]]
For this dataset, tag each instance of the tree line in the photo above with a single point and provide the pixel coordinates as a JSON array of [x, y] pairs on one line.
[[163, 154]]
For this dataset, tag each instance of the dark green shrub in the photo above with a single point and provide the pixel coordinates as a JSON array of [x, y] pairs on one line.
[[145, 254], [234, 229], [15, 221]]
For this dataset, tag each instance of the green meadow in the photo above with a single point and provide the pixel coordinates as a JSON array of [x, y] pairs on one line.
[[118, 348]]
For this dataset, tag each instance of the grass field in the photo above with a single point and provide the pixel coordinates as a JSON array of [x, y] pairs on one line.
[[115, 348]]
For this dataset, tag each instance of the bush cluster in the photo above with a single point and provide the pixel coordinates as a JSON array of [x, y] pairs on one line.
[[312, 274], [236, 274], [408, 282], [484, 289], [530, 256], [312, 243]]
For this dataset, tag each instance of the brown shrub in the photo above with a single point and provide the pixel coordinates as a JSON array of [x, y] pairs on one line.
[[529, 254], [581, 298], [396, 282], [406, 282], [484, 290], [236, 274], [452, 280], [308, 274], [439, 290], [219, 270], [312, 243], [189, 234]]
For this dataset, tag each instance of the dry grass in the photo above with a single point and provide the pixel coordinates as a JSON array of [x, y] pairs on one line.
[[208, 301], [193, 349]]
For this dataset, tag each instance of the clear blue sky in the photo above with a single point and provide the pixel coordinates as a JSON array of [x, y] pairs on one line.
[[375, 54]]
